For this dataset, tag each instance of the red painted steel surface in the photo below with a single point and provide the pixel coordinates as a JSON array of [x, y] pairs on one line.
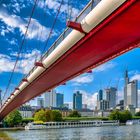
[[76, 26], [117, 34]]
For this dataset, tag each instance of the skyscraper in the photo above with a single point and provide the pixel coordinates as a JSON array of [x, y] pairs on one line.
[[59, 100], [77, 101], [111, 96], [130, 92], [40, 102], [50, 99], [103, 105], [100, 95], [53, 99]]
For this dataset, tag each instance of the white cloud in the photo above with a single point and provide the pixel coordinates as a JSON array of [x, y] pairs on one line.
[[17, 7], [24, 65], [105, 67], [14, 21], [54, 5], [88, 78], [82, 79], [13, 41], [89, 99], [120, 95], [136, 77], [4, 59]]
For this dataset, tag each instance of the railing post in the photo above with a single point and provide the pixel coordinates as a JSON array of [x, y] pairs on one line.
[[92, 2]]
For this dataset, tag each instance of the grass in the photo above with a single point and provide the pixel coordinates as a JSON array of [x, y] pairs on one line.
[[136, 117], [4, 136]]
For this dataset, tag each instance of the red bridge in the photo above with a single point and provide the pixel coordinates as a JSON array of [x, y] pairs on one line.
[[109, 29]]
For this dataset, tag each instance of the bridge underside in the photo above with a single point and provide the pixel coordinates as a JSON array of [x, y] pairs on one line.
[[116, 35]]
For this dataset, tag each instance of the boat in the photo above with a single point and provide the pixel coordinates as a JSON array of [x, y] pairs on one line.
[[75, 124], [132, 122]]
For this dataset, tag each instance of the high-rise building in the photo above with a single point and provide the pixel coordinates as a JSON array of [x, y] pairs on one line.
[[111, 96], [130, 92], [103, 105], [53, 99], [100, 95], [59, 100], [77, 101], [40, 102], [50, 99]]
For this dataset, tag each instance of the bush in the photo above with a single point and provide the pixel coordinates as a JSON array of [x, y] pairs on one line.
[[13, 119], [122, 116], [137, 114], [38, 122], [74, 113], [27, 120]]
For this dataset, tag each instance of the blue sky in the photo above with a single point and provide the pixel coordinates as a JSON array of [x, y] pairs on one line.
[[14, 15]]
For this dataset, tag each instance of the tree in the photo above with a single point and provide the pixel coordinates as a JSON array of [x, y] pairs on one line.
[[115, 115], [48, 115], [40, 116], [74, 113], [122, 116], [56, 115], [14, 118], [137, 114]]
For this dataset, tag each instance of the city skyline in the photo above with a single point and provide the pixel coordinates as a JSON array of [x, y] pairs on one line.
[[88, 84], [106, 93]]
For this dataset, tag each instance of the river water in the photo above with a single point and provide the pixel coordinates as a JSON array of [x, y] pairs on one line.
[[88, 133]]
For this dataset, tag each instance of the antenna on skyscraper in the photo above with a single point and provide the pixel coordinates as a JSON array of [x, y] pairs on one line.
[[100, 84], [109, 83]]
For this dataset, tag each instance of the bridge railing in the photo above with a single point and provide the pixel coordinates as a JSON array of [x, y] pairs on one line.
[[67, 31]]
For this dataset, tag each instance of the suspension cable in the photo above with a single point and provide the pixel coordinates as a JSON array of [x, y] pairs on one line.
[[20, 49], [41, 33], [54, 22]]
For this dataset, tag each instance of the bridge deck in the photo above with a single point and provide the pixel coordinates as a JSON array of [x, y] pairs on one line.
[[117, 34]]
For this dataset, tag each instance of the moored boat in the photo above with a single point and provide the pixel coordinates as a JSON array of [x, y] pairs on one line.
[[50, 125]]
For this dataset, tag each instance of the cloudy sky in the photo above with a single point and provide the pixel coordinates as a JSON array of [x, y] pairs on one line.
[[14, 16]]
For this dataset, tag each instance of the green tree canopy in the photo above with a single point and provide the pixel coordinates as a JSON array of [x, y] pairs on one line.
[[48, 115], [122, 116], [40, 116], [56, 115], [137, 114], [14, 118], [74, 113]]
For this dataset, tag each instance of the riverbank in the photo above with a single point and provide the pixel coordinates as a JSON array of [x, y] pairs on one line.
[[4, 136], [12, 129]]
